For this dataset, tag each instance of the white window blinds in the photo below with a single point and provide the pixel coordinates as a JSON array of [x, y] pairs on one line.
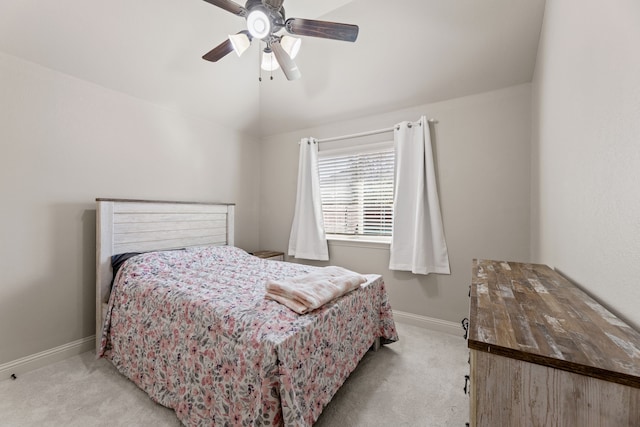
[[357, 191]]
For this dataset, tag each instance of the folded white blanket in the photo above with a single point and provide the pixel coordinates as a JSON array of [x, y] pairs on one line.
[[303, 294]]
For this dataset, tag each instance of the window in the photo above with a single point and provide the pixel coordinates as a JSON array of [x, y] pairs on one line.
[[356, 187]]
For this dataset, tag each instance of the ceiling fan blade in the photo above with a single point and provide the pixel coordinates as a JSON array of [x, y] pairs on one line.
[[219, 51], [289, 67], [323, 29], [274, 4], [229, 6]]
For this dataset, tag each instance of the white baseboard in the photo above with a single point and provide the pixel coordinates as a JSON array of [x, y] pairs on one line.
[[47, 357], [429, 323]]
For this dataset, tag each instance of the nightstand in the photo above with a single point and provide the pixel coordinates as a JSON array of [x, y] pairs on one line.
[[272, 255]]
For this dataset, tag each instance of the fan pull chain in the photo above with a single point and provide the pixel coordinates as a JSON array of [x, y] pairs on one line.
[[271, 66], [260, 62]]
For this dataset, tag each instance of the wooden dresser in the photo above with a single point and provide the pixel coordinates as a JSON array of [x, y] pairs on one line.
[[544, 353]]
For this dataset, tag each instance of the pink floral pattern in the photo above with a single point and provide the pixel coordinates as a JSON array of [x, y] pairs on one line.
[[194, 330]]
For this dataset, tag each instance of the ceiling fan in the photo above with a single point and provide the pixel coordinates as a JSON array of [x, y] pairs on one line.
[[264, 19]]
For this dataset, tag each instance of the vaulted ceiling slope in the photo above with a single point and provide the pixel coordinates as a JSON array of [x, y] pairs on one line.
[[408, 52]]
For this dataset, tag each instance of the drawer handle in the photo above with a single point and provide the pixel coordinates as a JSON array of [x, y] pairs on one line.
[[465, 326], [466, 384]]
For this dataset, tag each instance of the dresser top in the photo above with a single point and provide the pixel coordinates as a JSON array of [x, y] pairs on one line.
[[532, 313]]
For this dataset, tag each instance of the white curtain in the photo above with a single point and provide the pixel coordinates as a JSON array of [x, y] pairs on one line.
[[417, 243], [308, 239]]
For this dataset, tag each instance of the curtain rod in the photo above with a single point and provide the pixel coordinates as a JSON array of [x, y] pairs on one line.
[[368, 133]]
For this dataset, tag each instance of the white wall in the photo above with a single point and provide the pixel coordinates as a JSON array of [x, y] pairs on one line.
[[65, 142], [586, 149], [482, 148]]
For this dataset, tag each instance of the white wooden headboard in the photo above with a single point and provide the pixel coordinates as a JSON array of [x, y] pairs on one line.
[[145, 225]]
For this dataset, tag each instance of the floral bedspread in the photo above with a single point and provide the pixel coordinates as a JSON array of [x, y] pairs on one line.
[[194, 330]]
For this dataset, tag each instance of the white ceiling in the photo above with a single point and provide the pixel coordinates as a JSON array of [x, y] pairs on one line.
[[409, 52]]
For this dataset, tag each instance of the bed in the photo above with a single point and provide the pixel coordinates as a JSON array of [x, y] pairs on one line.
[[186, 319]]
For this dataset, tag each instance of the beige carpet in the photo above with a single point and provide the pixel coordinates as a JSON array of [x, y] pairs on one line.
[[417, 381]]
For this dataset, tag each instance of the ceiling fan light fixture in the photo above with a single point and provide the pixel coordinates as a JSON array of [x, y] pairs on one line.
[[240, 42], [269, 62], [258, 23], [291, 45]]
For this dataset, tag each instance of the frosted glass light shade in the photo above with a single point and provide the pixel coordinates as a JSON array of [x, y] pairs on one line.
[[269, 62], [291, 45], [258, 23], [240, 42]]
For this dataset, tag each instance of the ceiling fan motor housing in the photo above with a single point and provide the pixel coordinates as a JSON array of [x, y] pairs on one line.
[[263, 20]]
